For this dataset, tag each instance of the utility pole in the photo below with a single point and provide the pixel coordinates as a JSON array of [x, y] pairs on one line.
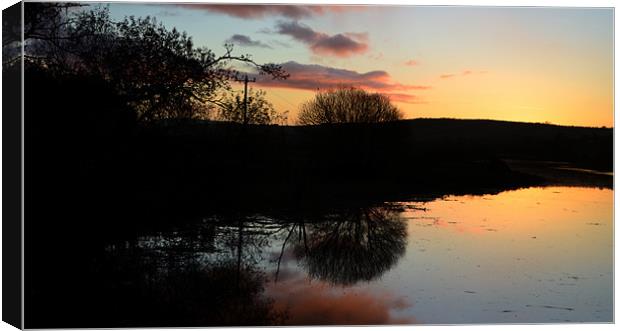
[[245, 81]]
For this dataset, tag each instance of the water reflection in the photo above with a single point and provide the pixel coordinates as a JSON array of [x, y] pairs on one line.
[[341, 247], [525, 256], [185, 278], [353, 245], [217, 267], [309, 302], [512, 257]]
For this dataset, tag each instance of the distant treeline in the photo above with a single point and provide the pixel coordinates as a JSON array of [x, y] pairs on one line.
[[196, 167], [455, 138]]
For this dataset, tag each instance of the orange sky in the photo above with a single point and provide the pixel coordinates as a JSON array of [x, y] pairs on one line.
[[507, 63]]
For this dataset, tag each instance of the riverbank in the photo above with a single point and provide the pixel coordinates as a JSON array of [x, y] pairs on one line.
[[197, 167]]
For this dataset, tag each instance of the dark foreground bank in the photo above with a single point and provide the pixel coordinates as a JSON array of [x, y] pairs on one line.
[[196, 167]]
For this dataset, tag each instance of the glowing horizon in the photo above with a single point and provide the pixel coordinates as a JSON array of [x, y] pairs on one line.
[[525, 64]]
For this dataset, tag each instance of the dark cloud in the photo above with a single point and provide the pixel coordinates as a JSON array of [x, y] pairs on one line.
[[300, 32], [242, 40], [342, 45], [361, 36], [338, 45], [260, 11], [317, 77]]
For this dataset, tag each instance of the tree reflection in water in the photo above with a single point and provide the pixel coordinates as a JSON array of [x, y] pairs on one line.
[[205, 276], [353, 245], [210, 273]]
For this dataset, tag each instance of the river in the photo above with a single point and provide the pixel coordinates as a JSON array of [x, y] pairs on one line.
[[534, 255]]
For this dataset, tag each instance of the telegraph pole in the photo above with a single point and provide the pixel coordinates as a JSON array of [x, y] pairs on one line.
[[245, 81]]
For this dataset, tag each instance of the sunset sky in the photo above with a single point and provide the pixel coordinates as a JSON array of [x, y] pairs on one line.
[[519, 64]]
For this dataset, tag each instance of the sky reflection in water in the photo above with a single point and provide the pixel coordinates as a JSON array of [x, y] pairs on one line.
[[537, 255], [527, 256]]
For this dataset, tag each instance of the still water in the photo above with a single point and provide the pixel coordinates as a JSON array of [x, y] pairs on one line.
[[536, 255]]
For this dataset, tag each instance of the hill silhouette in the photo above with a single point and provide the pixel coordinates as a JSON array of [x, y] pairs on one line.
[[185, 165]]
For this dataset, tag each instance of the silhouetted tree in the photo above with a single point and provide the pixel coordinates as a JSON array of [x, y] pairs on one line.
[[348, 105], [157, 71], [260, 111], [44, 28]]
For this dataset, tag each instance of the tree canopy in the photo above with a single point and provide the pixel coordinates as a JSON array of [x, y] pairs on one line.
[[157, 71], [348, 105]]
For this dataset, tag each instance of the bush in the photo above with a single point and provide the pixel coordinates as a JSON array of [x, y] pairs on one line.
[[348, 105]]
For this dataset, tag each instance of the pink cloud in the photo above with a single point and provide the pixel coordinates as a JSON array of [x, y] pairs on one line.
[[313, 303], [341, 45], [412, 63], [318, 77], [405, 98], [260, 11], [463, 73]]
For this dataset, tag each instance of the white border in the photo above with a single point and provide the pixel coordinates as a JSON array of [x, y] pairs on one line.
[[507, 3]]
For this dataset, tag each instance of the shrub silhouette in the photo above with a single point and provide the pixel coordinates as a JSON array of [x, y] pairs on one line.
[[260, 111], [348, 105]]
